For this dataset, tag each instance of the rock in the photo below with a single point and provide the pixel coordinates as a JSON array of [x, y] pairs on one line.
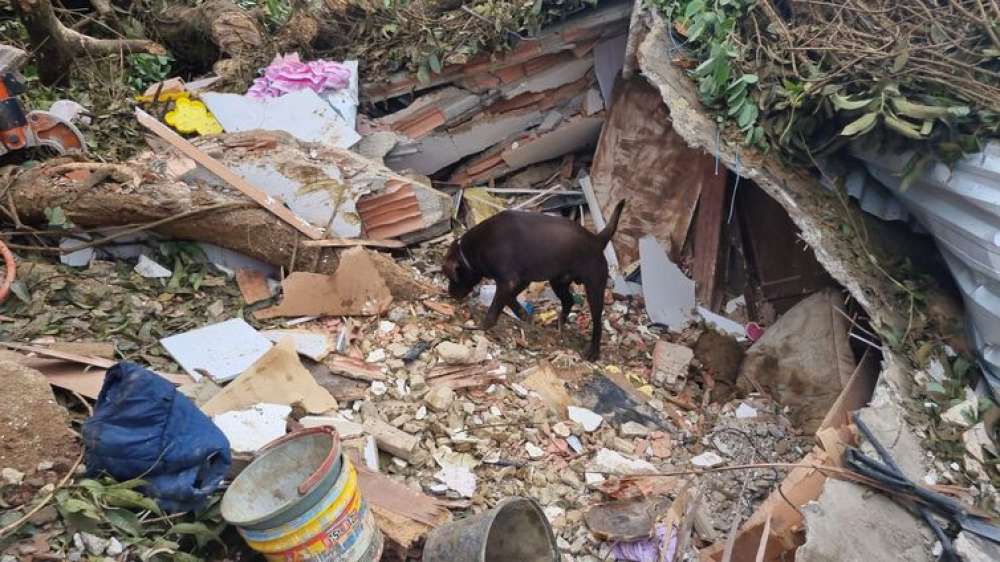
[[12, 477], [95, 545], [439, 398], [534, 451], [115, 548], [376, 356], [35, 427], [670, 364], [379, 388], [398, 350], [588, 419], [44, 516], [454, 353], [593, 478], [708, 459], [519, 390], [961, 414], [975, 549], [45, 465], [743, 411], [607, 461], [574, 443], [634, 429], [720, 353], [561, 429]]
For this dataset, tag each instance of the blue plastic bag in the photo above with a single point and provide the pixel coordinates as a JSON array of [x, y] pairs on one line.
[[143, 428]]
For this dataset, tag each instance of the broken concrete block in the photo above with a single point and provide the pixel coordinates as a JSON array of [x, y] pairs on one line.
[[803, 360], [670, 364], [839, 526], [440, 398]]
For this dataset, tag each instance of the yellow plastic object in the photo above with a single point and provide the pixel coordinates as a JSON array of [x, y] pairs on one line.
[[191, 116]]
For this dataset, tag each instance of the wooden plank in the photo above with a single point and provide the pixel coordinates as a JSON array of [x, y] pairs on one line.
[[349, 242], [641, 159], [707, 243], [227, 175]]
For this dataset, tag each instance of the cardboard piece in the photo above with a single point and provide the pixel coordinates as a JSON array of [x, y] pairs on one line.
[[85, 380], [222, 350], [549, 387], [253, 285], [276, 378], [355, 289]]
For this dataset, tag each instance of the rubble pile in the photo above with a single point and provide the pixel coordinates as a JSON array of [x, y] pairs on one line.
[[246, 339]]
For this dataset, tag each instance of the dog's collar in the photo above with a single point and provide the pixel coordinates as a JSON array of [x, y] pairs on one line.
[[461, 256]]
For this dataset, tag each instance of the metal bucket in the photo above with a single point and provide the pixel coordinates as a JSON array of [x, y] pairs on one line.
[[299, 501], [515, 530]]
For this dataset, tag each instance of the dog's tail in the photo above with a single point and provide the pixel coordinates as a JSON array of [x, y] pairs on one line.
[[605, 235]]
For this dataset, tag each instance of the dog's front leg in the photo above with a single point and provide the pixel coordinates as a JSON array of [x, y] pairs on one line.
[[505, 290]]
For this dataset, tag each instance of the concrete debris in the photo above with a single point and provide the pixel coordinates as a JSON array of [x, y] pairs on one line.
[[744, 411], [149, 268], [607, 461], [453, 353], [440, 398], [839, 524], [708, 459], [249, 430], [588, 419], [670, 364]]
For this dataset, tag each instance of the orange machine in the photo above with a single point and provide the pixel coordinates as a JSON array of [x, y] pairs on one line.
[[20, 129]]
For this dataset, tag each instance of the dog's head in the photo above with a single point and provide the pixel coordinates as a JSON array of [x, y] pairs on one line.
[[461, 279]]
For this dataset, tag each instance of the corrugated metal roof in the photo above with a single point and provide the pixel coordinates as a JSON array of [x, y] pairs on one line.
[[960, 207]]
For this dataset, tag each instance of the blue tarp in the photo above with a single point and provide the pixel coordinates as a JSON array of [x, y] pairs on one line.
[[143, 428]]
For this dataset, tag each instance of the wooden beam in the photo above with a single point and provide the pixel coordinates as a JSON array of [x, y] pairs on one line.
[[349, 242], [707, 240], [227, 175]]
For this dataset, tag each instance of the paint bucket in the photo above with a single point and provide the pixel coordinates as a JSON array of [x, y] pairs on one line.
[[515, 530], [299, 501]]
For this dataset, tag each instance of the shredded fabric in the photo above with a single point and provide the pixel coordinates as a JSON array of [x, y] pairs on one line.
[[288, 74], [647, 550]]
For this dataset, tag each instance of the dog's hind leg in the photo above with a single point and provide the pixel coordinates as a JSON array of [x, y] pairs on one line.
[[595, 286]]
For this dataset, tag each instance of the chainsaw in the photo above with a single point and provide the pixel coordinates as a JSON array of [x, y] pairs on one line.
[[20, 129]]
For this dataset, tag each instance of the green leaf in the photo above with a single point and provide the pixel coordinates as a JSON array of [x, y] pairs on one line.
[[201, 533], [902, 127], [913, 169], [905, 107], [119, 497], [423, 74], [20, 291], [844, 103], [749, 79], [124, 520], [900, 61], [57, 217], [71, 505], [737, 108], [434, 63], [747, 116], [861, 125]]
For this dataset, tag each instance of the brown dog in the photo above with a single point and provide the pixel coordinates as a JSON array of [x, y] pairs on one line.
[[515, 248]]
